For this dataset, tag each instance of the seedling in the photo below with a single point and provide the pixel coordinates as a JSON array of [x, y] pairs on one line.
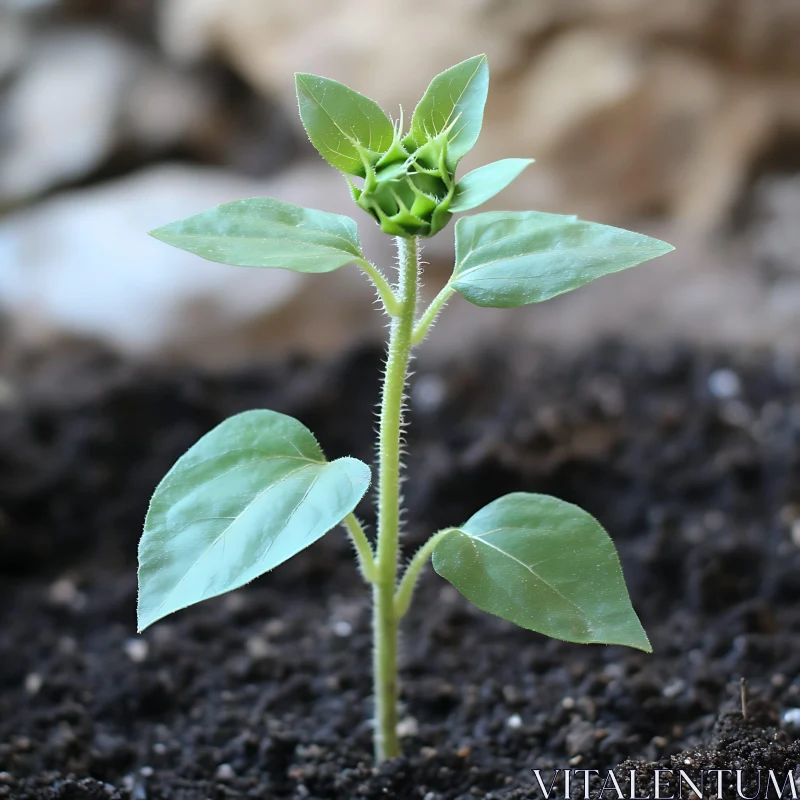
[[257, 489]]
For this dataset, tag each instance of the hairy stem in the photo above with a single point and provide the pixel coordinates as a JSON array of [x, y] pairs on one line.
[[402, 598], [385, 621]]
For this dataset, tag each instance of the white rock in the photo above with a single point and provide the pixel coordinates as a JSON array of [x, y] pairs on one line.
[[342, 628], [79, 94], [82, 264], [408, 726], [137, 650], [724, 384], [62, 110], [33, 683]]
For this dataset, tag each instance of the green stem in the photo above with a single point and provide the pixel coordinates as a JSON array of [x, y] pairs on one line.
[[431, 312], [366, 558], [402, 598], [385, 621], [390, 302]]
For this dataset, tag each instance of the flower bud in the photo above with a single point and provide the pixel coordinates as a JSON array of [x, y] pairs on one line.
[[407, 189]]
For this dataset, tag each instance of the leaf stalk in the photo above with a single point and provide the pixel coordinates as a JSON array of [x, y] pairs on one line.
[[405, 591], [366, 557], [431, 312], [390, 302]]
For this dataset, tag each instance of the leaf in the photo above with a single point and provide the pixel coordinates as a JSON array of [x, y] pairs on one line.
[[478, 186], [455, 97], [544, 565], [262, 232], [506, 259], [336, 118], [249, 495]]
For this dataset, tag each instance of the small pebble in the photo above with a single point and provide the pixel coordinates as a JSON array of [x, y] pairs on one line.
[[258, 648], [673, 688], [33, 683], [514, 722], [342, 628], [428, 392], [234, 601], [137, 650], [736, 413], [64, 592], [724, 384], [146, 772], [225, 772], [568, 703], [159, 748], [791, 718], [67, 646], [408, 726], [275, 627], [796, 532]]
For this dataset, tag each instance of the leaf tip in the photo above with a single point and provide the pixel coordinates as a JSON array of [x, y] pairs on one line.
[[159, 233]]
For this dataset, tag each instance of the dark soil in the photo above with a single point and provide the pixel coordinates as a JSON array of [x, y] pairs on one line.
[[691, 461]]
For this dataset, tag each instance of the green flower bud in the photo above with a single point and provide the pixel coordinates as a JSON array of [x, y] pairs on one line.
[[407, 189]]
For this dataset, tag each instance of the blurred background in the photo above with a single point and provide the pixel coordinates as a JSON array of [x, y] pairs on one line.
[[680, 119]]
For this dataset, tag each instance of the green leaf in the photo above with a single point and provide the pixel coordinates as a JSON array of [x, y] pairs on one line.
[[454, 98], [505, 259], [249, 495], [545, 565], [338, 120], [262, 232], [478, 186]]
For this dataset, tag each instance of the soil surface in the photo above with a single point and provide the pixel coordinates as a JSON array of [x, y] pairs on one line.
[[691, 461]]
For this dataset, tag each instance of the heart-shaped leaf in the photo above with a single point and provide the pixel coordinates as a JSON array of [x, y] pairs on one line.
[[337, 119], [506, 259], [545, 565], [262, 232], [249, 495], [455, 99], [478, 186]]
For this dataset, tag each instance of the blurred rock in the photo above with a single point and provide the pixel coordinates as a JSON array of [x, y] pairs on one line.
[[81, 264], [776, 233], [629, 106], [80, 94], [360, 42], [13, 41], [61, 111]]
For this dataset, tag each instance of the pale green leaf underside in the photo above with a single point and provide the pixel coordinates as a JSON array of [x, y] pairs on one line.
[[545, 565], [249, 495], [262, 232], [457, 96], [481, 184], [509, 259], [335, 117]]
